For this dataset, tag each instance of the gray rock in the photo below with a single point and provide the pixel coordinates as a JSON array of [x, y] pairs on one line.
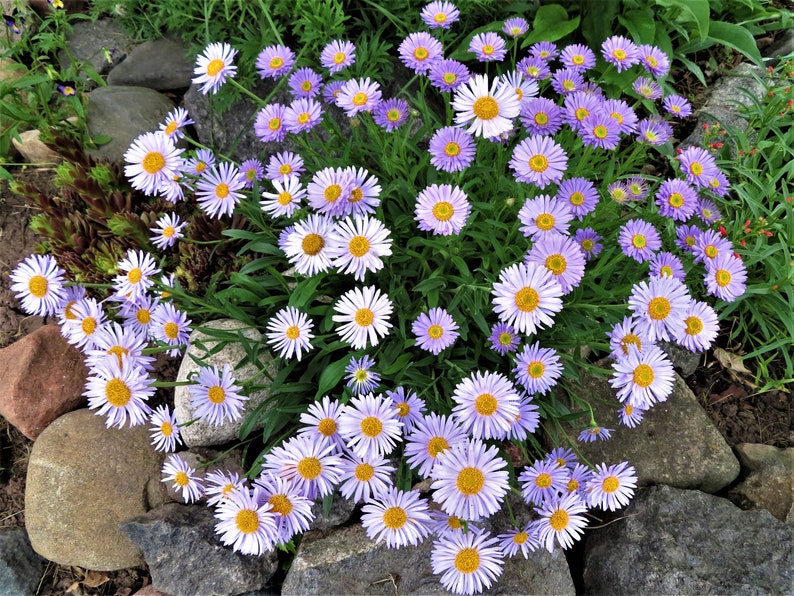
[[186, 557], [672, 541], [740, 87], [676, 444], [347, 562], [770, 483], [123, 114], [206, 348], [83, 479], [232, 132], [684, 361], [783, 46], [102, 44], [20, 567], [341, 510], [161, 64]]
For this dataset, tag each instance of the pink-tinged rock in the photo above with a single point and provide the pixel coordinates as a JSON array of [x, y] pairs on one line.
[[43, 378]]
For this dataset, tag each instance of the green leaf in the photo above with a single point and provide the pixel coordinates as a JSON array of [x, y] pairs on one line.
[[691, 11], [551, 24], [640, 25], [598, 20], [331, 375], [736, 37]]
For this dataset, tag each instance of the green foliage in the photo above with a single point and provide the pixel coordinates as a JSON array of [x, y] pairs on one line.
[[759, 157]]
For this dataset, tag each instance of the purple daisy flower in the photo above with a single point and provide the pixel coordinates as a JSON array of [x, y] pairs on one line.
[[580, 194], [541, 116], [284, 164], [432, 434], [707, 210], [578, 106], [654, 60], [435, 331], [504, 338], [659, 306], [442, 209], [697, 165], [619, 192], [390, 114], [620, 52], [578, 57], [719, 184], [561, 256], [488, 46], [589, 241], [515, 27], [338, 55], [629, 415], [654, 131], [639, 240], [725, 277], [594, 433], [544, 50], [439, 14], [331, 91], [643, 378], [638, 188], [304, 82], [359, 95], [269, 123], [543, 215], [566, 81], [370, 426], [218, 190], [486, 404], [452, 149], [676, 199], [410, 409], [611, 487], [419, 51], [274, 61], [666, 264], [527, 296], [677, 106], [709, 245], [627, 335], [700, 327], [303, 114], [537, 369], [251, 171], [686, 237], [600, 130], [448, 75], [539, 160], [647, 88], [543, 481], [622, 113], [360, 377], [534, 68]]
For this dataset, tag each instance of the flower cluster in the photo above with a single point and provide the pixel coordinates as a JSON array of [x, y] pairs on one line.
[[414, 259]]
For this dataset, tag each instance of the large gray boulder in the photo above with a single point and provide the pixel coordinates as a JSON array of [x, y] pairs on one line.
[[185, 555], [83, 480], [123, 114], [676, 443], [673, 541], [162, 64], [20, 567]]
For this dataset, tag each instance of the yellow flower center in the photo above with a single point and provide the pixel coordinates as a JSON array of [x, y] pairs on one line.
[[134, 276], [306, 86], [485, 108], [303, 118], [545, 221], [403, 409], [359, 99], [200, 167], [153, 162], [358, 246], [676, 200], [536, 369], [247, 521], [643, 375], [695, 168], [619, 55], [118, 352], [467, 560], [443, 211], [538, 163], [520, 538], [470, 481], [711, 251], [222, 190], [215, 66], [216, 394], [281, 504], [394, 115], [556, 264], [292, 332], [543, 480], [659, 308], [559, 520], [452, 149], [435, 331], [582, 113], [638, 241], [436, 445], [693, 325], [449, 78], [171, 330], [168, 231], [88, 325], [541, 118], [327, 427], [527, 299], [722, 277], [577, 59], [117, 393], [505, 339], [568, 85], [587, 245], [610, 484], [276, 62], [576, 198], [486, 404], [371, 427], [394, 518], [339, 57], [171, 128], [38, 285], [364, 317], [600, 132], [440, 17], [309, 468], [166, 429], [487, 49], [312, 244], [274, 124], [285, 169], [181, 479], [630, 339], [332, 192], [421, 54], [284, 198], [364, 472]]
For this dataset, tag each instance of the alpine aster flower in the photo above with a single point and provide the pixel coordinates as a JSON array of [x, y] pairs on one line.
[[488, 47], [539, 160], [659, 306], [537, 369], [370, 426], [467, 562], [639, 240], [360, 377], [612, 487], [700, 327], [290, 332], [178, 471], [488, 110], [432, 435], [152, 160], [119, 392], [363, 314], [725, 277], [442, 209], [358, 245], [561, 520], [544, 216], [440, 14], [215, 397], [527, 297], [485, 405], [643, 378], [561, 256], [419, 51], [338, 55], [38, 283], [274, 61], [306, 246], [448, 75], [452, 149], [248, 526], [620, 52], [218, 190], [399, 518], [214, 66], [435, 331]]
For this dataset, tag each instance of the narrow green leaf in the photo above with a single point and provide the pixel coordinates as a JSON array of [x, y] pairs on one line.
[[736, 37]]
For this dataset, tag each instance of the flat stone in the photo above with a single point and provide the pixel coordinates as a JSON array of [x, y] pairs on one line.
[[203, 347], [43, 378], [676, 444], [83, 480], [101, 44], [20, 567], [346, 561], [161, 64], [673, 541], [33, 151], [203, 565], [123, 114]]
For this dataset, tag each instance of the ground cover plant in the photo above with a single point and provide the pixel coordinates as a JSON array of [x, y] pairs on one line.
[[430, 263]]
